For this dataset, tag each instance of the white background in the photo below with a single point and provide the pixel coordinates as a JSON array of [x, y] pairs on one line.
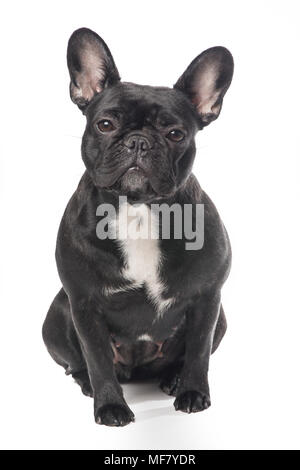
[[247, 161]]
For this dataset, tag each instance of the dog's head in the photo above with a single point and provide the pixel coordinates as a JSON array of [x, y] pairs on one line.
[[139, 140]]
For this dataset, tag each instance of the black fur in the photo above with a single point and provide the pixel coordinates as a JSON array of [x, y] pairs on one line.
[[86, 330]]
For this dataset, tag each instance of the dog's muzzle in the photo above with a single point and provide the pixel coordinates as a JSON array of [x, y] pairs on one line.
[[138, 144]]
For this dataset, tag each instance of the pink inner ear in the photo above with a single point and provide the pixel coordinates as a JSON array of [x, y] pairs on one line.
[[90, 78], [205, 93]]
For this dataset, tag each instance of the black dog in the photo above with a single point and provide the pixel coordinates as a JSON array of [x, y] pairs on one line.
[[135, 308]]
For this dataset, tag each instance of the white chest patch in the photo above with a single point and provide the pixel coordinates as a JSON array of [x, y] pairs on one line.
[[137, 235]]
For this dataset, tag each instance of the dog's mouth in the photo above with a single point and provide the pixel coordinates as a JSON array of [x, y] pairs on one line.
[[134, 182], [135, 170], [138, 183]]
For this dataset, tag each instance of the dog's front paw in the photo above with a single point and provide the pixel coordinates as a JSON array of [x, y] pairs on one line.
[[114, 415], [191, 402]]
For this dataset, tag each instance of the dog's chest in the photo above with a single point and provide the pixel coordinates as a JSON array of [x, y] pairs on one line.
[[137, 237]]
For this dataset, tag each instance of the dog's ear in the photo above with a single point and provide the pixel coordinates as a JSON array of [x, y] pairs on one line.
[[91, 66], [206, 81]]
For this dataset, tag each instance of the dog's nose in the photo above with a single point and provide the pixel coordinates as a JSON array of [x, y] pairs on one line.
[[137, 143]]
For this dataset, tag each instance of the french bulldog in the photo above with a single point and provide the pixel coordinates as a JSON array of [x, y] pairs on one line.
[[129, 307]]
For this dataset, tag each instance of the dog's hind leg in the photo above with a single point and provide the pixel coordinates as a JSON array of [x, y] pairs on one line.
[[62, 342], [171, 379], [220, 330]]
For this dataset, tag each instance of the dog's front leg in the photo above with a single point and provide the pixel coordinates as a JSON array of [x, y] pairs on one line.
[[109, 405], [201, 319]]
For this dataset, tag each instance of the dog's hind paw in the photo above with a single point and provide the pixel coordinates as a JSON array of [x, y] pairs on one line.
[[170, 385], [83, 380]]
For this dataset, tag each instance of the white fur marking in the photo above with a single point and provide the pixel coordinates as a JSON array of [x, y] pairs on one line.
[[145, 337], [142, 255]]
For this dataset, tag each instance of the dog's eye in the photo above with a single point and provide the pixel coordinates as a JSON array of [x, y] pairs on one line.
[[105, 125], [176, 135]]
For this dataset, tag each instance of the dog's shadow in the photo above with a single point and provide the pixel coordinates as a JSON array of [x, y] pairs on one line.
[[142, 391], [148, 391]]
